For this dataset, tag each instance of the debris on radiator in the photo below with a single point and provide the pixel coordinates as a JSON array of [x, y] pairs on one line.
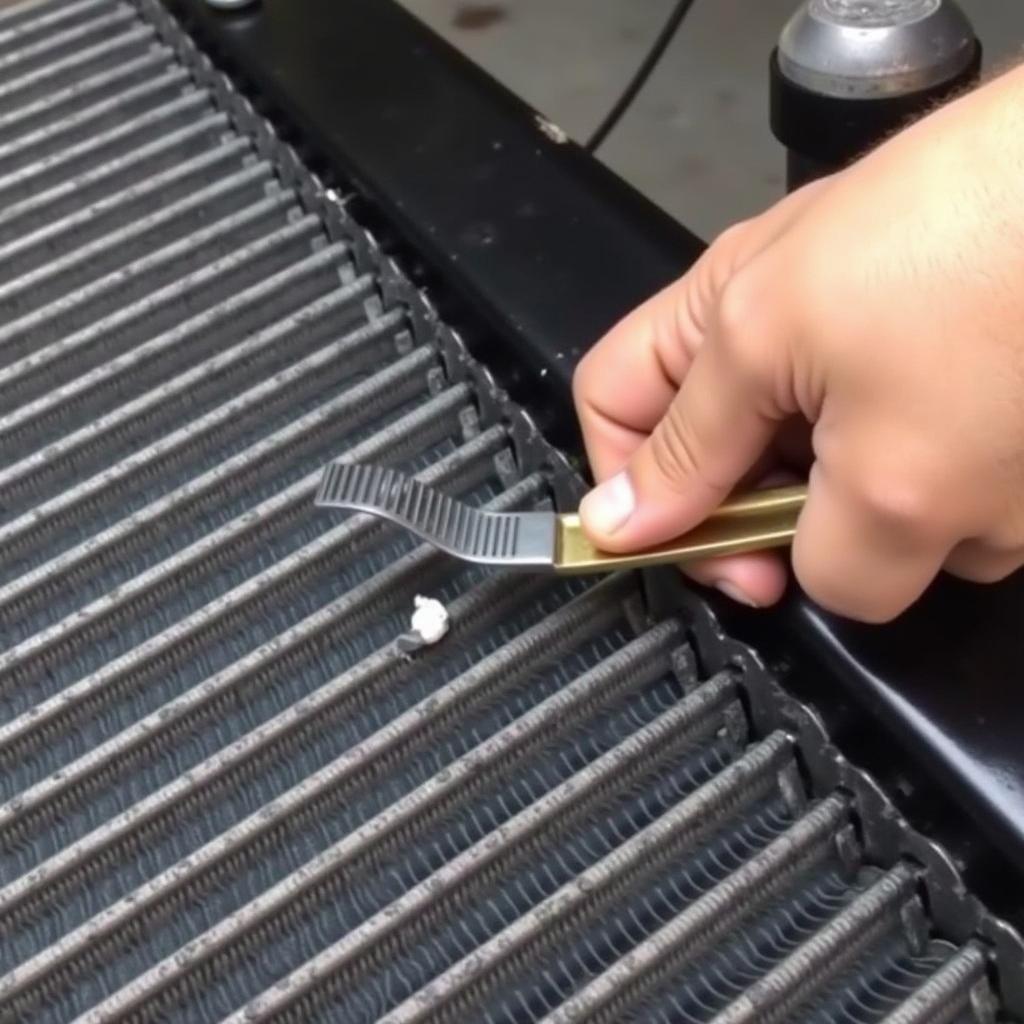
[[430, 620], [429, 625]]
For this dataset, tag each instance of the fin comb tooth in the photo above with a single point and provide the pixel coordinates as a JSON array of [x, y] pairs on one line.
[[525, 539]]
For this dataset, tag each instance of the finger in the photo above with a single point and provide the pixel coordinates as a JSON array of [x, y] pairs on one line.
[[866, 553], [625, 384], [714, 431], [978, 562], [756, 580]]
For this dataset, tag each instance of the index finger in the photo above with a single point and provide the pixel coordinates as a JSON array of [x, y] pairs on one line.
[[626, 383], [623, 386]]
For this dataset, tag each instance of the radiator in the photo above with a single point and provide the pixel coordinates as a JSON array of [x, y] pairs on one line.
[[231, 790]]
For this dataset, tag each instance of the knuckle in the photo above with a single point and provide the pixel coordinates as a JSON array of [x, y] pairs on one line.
[[674, 450], [583, 378], [735, 310], [739, 338], [730, 237], [903, 505]]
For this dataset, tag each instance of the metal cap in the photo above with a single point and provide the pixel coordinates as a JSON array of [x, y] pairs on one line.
[[230, 5], [869, 49]]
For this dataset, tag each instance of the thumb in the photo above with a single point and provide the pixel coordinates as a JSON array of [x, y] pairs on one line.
[[716, 428]]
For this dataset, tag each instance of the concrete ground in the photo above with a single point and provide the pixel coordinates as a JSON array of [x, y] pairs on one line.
[[697, 140]]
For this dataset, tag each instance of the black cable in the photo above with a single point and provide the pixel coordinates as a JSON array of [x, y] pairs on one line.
[[657, 50]]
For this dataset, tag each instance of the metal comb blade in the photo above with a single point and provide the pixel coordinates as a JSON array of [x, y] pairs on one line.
[[549, 540]]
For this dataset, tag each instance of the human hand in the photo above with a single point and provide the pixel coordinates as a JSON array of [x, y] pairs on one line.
[[870, 326]]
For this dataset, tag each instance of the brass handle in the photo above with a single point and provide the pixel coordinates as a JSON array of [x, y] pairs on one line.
[[751, 522]]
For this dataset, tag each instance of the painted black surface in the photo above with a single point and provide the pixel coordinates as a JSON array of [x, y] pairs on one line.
[[542, 249], [932, 705], [538, 241], [824, 133]]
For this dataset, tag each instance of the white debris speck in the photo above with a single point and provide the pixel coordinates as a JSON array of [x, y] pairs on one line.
[[430, 619], [551, 130]]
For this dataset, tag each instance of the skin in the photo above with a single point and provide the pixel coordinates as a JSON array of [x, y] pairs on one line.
[[868, 330]]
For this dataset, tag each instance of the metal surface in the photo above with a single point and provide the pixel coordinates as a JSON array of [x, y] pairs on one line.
[[752, 522], [230, 792], [523, 540], [539, 540], [849, 73], [866, 49]]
